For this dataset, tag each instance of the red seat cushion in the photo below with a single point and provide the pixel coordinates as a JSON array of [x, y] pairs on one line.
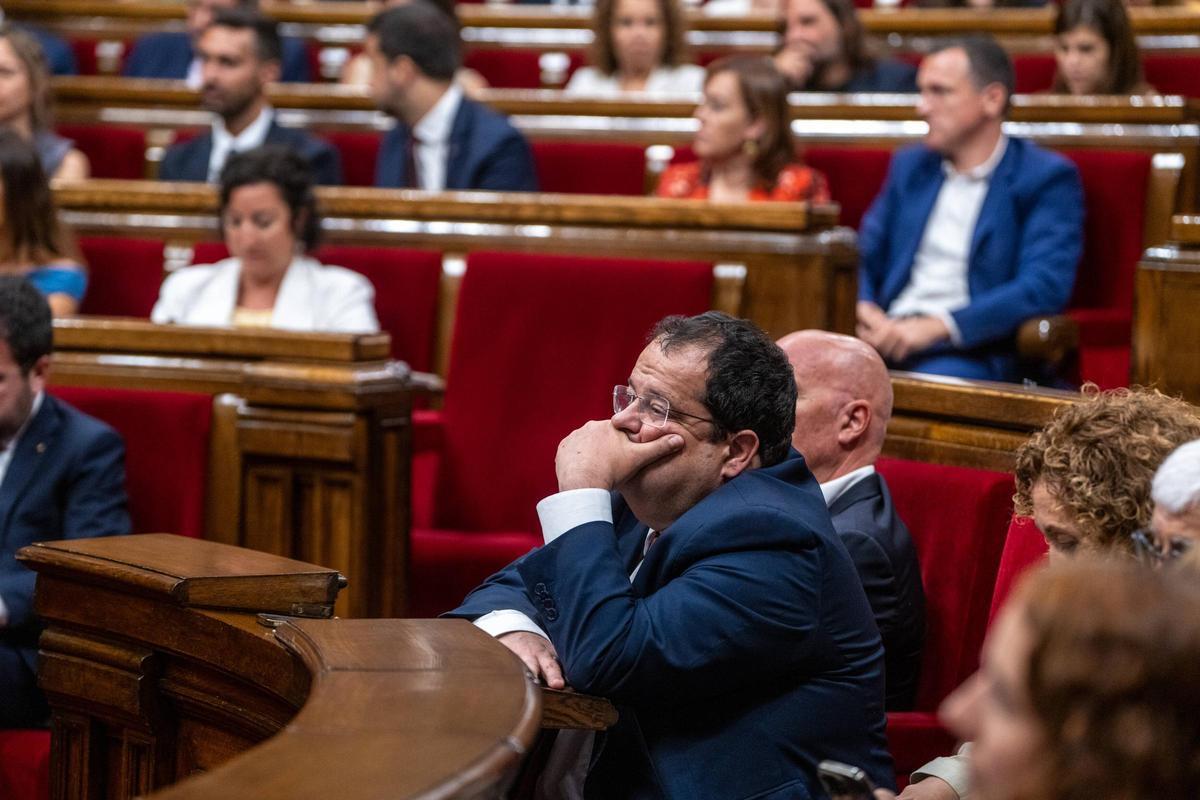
[[1177, 73], [590, 167], [166, 452], [124, 275], [539, 342], [855, 175], [359, 152], [25, 764], [514, 68], [1034, 72], [1024, 548], [114, 152]]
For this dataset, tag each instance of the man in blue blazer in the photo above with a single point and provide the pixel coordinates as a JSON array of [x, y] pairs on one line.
[[239, 53], [170, 55], [60, 58], [691, 575], [974, 231], [62, 475], [843, 404], [443, 141]]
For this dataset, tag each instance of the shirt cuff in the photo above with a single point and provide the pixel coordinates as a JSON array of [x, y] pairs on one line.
[[948, 320], [951, 769], [498, 623], [561, 512]]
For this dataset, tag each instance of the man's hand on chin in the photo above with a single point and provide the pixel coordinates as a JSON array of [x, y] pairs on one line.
[[539, 656], [599, 456]]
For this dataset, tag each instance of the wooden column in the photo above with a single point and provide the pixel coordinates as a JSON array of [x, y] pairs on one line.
[[1166, 331]]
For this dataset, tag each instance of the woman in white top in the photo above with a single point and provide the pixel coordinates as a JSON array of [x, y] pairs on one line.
[[638, 47], [269, 218]]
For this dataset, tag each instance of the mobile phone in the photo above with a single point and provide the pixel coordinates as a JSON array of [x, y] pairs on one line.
[[844, 782]]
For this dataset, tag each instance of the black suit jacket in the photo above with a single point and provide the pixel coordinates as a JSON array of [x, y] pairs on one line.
[[883, 553], [188, 161]]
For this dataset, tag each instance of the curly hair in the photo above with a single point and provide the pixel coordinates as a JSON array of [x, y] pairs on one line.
[[1097, 458], [1112, 681]]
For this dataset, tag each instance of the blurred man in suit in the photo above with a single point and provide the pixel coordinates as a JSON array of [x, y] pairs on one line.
[[973, 232], [691, 574], [239, 56], [842, 409], [171, 55], [62, 476], [444, 140]]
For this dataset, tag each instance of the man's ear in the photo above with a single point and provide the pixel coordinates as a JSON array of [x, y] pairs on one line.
[[269, 72], [995, 96], [743, 450], [39, 374], [852, 422]]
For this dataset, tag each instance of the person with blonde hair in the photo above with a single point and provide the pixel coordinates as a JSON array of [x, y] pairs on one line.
[[1088, 689], [638, 47], [25, 106]]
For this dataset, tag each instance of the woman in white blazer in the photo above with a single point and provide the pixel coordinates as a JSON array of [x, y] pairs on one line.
[[269, 219]]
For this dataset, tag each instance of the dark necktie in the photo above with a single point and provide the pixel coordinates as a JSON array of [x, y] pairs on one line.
[[411, 174]]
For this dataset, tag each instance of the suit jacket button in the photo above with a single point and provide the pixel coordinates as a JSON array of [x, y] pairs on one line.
[[540, 590], [550, 614]]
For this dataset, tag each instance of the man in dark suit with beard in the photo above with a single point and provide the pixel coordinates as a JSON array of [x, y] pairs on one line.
[[842, 410]]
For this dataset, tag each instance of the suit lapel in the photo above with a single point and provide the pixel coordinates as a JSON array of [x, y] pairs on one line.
[[865, 489], [923, 191], [32, 448], [994, 201], [460, 133]]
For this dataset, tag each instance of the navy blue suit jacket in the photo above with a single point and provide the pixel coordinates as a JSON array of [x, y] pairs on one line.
[[188, 161], [883, 553], [66, 480], [168, 55], [486, 152], [1024, 250], [741, 654], [59, 55]]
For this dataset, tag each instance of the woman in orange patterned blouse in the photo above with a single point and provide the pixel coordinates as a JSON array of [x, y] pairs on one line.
[[744, 143]]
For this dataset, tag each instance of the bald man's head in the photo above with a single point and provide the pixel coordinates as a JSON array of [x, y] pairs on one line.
[[844, 402]]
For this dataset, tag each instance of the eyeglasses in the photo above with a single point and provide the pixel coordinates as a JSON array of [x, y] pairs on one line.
[[653, 410], [1148, 548]]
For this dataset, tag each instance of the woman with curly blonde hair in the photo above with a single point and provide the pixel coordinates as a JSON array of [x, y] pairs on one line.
[[1085, 477], [1089, 688]]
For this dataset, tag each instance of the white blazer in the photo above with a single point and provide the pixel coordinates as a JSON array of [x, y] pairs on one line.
[[685, 78], [312, 297]]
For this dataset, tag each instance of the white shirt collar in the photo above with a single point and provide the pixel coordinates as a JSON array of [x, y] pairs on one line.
[[6, 453], [984, 170], [835, 488], [254, 134], [434, 127]]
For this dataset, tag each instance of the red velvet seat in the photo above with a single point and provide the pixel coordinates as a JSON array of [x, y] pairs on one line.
[[124, 275], [514, 68], [25, 764], [539, 342], [359, 152], [114, 151], [1024, 548], [406, 291], [855, 175], [1173, 74], [166, 452], [590, 167], [1115, 184], [958, 518], [1034, 72]]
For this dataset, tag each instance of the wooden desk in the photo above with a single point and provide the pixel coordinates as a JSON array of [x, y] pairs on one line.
[[159, 670], [309, 444], [1166, 328], [800, 270]]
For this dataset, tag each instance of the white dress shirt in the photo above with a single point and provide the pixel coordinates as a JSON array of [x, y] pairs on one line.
[[685, 78], [224, 142], [194, 79], [6, 455], [432, 140], [938, 283], [835, 488]]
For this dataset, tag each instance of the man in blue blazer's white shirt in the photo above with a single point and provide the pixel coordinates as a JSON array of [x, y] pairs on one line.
[[62, 476], [974, 231], [691, 574], [444, 141]]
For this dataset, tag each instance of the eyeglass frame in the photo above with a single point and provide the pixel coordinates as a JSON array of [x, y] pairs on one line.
[[1147, 547], [633, 397]]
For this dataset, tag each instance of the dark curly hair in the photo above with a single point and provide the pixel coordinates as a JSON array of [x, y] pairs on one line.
[[1097, 458], [287, 171], [749, 385], [1112, 681]]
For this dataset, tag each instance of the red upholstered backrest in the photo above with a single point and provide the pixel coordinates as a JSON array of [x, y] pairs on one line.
[[855, 175], [1024, 547], [1034, 72], [539, 342], [958, 518], [209, 252], [114, 152], [123, 275], [513, 68], [25, 764], [359, 152], [590, 167], [406, 294], [1114, 187], [166, 452], [1173, 74]]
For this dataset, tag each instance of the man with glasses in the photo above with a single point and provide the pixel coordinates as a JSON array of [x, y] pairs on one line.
[[1175, 524], [692, 576]]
